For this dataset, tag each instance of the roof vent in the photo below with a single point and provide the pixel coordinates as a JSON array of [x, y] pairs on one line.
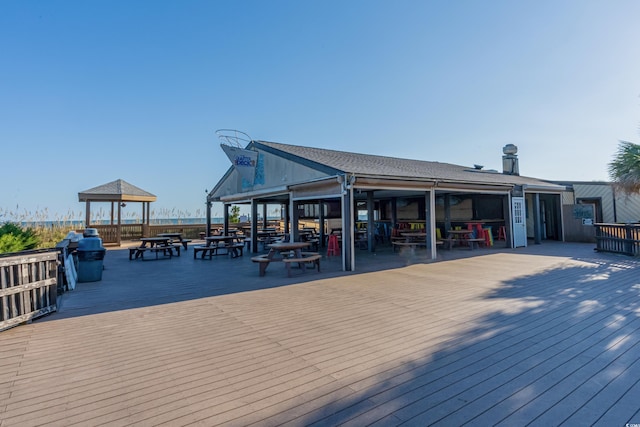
[[510, 160], [478, 167]]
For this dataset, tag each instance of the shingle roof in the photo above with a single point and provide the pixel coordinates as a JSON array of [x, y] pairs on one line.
[[367, 164], [119, 189]]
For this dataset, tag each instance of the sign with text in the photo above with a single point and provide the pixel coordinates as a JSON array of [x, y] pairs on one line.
[[583, 211], [243, 160]]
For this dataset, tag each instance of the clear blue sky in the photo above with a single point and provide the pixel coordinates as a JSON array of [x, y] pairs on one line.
[[93, 91]]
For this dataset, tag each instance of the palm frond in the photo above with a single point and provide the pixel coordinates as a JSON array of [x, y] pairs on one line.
[[624, 169]]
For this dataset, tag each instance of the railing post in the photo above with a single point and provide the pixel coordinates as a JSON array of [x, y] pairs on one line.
[[628, 240]]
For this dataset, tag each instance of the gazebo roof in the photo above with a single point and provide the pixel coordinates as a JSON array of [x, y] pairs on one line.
[[116, 191]]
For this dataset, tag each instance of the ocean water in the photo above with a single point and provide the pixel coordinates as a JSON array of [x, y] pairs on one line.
[[156, 221]]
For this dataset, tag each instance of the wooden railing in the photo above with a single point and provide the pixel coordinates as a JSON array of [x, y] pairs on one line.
[[109, 233], [618, 238], [28, 286]]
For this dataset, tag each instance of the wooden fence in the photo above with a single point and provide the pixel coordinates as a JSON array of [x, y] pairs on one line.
[[28, 286], [618, 238]]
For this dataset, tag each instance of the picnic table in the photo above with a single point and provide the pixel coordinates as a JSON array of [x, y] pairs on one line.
[[409, 239], [176, 237], [462, 237], [220, 245], [289, 253], [157, 245]]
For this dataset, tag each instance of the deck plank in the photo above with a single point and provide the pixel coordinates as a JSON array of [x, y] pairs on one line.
[[533, 335]]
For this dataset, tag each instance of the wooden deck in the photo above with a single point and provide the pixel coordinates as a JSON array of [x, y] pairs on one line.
[[545, 335]]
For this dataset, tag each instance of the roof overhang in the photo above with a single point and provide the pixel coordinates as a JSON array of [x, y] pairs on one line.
[[473, 186], [364, 182], [529, 188], [400, 183], [246, 197], [88, 197]]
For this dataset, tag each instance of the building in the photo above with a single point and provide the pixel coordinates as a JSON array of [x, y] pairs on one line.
[[588, 202], [380, 193]]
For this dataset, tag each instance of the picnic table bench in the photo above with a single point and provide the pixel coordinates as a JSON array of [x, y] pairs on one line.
[[310, 258], [234, 249], [263, 261], [401, 243], [138, 252], [176, 238], [289, 253], [473, 242]]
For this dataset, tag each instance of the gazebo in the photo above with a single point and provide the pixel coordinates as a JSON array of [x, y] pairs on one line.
[[118, 193]]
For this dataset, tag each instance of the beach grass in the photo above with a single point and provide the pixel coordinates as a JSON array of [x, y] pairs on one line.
[[50, 229]]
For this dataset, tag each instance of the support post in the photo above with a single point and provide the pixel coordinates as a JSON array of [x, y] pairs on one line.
[[265, 223], [321, 228], [287, 226], [87, 214], [208, 230], [225, 220], [447, 213], [430, 223], [254, 226], [537, 225], [118, 230], [347, 230], [294, 233], [371, 238], [508, 221], [394, 215]]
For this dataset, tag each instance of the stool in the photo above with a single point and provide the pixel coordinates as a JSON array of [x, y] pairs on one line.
[[488, 236], [502, 233], [332, 247]]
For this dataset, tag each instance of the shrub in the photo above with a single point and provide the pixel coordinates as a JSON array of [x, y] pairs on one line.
[[49, 237], [13, 238]]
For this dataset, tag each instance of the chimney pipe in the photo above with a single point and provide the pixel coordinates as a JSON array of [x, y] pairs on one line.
[[510, 160]]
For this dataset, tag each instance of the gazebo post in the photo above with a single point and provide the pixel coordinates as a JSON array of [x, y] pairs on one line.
[[145, 219], [118, 229], [87, 213], [208, 230]]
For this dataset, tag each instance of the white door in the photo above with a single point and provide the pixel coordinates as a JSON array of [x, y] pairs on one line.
[[519, 222]]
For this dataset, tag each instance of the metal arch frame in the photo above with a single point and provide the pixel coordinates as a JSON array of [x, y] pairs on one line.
[[233, 137]]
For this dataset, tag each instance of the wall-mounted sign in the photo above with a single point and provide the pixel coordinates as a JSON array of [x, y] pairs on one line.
[[244, 161], [583, 211], [587, 221]]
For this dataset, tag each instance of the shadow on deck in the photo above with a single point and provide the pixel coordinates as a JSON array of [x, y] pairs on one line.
[[129, 284], [542, 335]]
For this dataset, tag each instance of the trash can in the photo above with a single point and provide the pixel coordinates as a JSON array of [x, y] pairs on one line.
[[90, 256]]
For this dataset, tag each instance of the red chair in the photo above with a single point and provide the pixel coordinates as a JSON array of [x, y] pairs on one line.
[[502, 233], [333, 247]]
